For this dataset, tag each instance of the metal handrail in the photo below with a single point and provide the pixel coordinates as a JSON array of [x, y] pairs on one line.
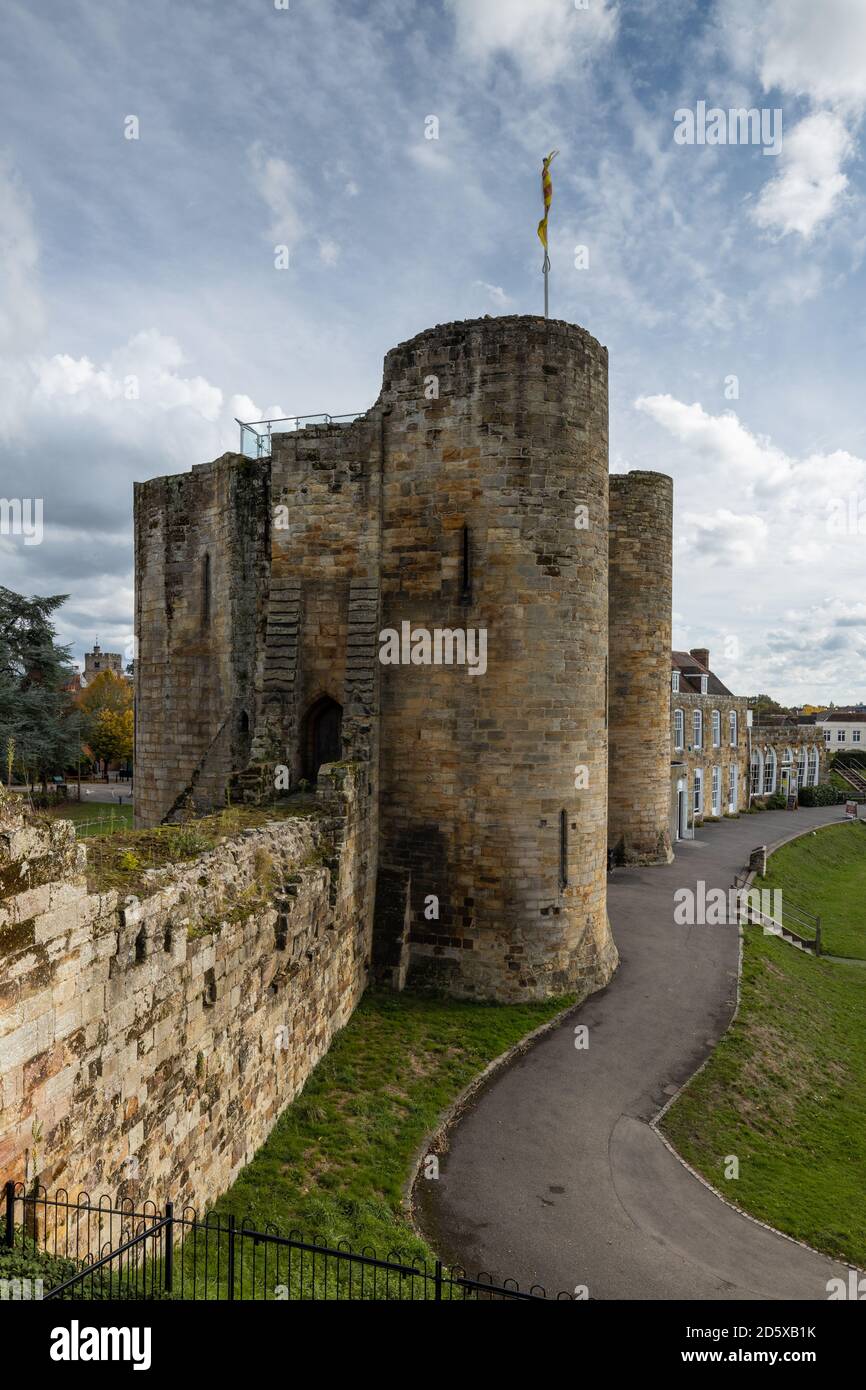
[[263, 435], [77, 1280]]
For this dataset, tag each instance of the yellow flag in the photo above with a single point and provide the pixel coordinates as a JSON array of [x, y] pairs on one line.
[[547, 192]]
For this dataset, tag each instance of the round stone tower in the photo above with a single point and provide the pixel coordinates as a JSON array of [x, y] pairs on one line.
[[639, 760], [494, 448]]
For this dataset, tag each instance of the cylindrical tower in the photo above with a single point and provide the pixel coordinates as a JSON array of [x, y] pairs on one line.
[[639, 758], [495, 546]]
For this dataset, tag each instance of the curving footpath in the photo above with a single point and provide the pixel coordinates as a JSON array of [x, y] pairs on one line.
[[555, 1176]]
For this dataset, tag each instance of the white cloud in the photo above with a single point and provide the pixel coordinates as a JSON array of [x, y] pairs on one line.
[[139, 380], [282, 191], [495, 293], [757, 466], [810, 181], [719, 439], [812, 51], [543, 37], [22, 314], [816, 49], [21, 311], [430, 155], [722, 537]]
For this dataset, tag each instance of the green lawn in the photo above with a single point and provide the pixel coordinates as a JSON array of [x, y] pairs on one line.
[[335, 1165], [94, 817], [785, 1091], [825, 872]]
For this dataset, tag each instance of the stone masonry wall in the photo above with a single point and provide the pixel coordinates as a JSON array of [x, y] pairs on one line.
[[496, 430], [640, 597], [707, 755], [450, 507], [201, 567], [790, 740], [147, 1047]]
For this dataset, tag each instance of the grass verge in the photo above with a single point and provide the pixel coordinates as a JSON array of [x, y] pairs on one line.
[[825, 872], [785, 1092], [336, 1163]]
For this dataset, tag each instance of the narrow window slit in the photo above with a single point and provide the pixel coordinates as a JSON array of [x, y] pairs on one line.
[[563, 849], [466, 582], [205, 591]]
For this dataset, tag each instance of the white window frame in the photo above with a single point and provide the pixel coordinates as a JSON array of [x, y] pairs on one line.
[[756, 772], [855, 735], [698, 729], [840, 735], [679, 730], [675, 682], [717, 790], [771, 771], [733, 786], [717, 728], [698, 792], [802, 768], [733, 730]]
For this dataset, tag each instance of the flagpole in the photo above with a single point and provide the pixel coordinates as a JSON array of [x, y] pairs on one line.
[[547, 195]]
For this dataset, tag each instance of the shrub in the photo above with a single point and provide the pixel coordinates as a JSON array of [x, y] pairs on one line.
[[823, 795]]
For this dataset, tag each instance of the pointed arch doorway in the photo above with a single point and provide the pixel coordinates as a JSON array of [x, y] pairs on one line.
[[322, 736]]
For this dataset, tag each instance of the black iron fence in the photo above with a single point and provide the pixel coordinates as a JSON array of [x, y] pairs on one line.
[[83, 1250]]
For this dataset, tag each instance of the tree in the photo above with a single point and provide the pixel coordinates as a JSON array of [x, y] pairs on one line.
[[765, 704], [37, 712], [106, 711], [110, 736]]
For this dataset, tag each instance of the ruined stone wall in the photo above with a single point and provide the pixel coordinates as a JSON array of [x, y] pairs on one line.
[[201, 566], [148, 1046], [499, 426], [640, 598]]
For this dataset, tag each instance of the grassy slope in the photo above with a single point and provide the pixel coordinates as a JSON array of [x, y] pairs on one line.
[[337, 1160], [786, 1092], [826, 873]]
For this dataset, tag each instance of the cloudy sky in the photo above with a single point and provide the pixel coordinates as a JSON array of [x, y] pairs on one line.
[[141, 308]]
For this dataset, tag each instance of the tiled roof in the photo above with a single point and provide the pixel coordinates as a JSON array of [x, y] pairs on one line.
[[691, 671]]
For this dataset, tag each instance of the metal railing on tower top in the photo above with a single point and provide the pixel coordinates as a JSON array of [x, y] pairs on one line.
[[256, 434]]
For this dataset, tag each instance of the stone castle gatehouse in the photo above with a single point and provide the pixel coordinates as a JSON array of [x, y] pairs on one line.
[[452, 592]]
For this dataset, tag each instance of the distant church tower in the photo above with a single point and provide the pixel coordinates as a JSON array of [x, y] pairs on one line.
[[97, 661]]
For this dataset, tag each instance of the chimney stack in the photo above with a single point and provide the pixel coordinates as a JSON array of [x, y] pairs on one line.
[[701, 655]]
